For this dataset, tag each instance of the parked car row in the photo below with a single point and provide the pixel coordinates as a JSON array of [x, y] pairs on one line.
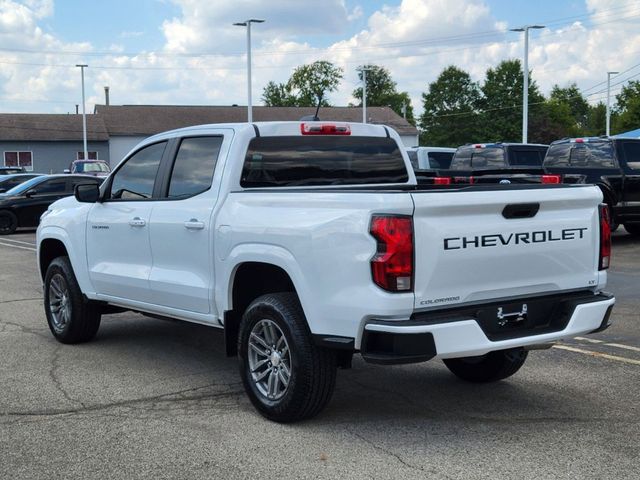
[[25, 197], [613, 164]]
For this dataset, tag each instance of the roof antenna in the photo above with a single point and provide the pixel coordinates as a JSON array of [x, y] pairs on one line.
[[314, 118]]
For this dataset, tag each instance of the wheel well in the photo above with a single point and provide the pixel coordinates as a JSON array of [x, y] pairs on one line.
[[252, 280], [50, 249]]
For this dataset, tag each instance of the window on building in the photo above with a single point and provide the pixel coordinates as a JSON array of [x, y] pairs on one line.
[[92, 156], [19, 159]]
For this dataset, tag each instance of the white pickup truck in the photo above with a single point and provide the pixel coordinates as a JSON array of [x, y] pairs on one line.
[[309, 242]]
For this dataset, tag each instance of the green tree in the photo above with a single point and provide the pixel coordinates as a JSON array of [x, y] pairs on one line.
[[596, 120], [312, 82], [578, 105], [502, 102], [627, 111], [450, 110], [307, 85], [382, 92], [278, 95], [553, 120]]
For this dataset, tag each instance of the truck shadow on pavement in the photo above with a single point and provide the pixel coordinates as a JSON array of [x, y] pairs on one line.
[[176, 355]]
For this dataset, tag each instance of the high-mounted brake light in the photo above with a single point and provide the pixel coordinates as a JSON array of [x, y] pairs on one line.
[[605, 236], [551, 179], [441, 181], [324, 129], [392, 265]]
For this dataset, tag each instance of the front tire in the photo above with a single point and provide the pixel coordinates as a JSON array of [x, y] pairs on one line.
[[491, 367], [286, 376], [8, 222], [71, 318]]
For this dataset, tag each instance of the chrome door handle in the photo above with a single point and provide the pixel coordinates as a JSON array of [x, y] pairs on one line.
[[137, 222], [194, 224]]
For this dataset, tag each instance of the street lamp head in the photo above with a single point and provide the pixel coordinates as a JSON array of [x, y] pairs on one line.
[[612, 73], [82, 65], [526, 27], [246, 22]]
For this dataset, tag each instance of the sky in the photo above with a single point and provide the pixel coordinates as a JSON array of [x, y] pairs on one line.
[[188, 52]]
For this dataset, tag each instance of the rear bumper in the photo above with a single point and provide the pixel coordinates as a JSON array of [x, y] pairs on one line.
[[464, 333]]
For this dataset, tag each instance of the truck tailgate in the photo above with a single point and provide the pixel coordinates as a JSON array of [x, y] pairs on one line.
[[470, 246]]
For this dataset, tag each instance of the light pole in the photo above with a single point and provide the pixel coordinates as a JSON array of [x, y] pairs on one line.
[[364, 69], [608, 107], [247, 23], [525, 83], [84, 114]]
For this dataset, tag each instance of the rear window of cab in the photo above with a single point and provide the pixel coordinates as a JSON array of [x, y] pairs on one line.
[[302, 161]]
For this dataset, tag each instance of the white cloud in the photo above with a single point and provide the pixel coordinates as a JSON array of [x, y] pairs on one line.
[[414, 39]]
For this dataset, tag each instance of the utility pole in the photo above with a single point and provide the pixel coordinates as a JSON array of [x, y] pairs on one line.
[[608, 100], [364, 69], [84, 114], [247, 23], [525, 83]]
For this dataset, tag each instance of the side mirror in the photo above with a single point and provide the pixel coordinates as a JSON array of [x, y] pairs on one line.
[[87, 192], [2, 189], [30, 193], [66, 170]]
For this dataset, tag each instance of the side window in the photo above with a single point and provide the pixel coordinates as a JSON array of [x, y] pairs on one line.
[[55, 185], [557, 156], [135, 179], [632, 154], [193, 169]]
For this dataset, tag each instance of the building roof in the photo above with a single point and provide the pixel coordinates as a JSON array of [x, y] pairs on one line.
[[152, 119], [145, 120], [50, 127]]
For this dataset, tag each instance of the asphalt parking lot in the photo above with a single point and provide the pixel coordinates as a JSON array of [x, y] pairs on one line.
[[158, 399]]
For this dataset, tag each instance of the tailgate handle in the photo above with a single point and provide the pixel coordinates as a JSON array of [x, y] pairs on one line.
[[521, 210]]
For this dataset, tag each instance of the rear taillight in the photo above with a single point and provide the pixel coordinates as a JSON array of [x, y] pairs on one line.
[[392, 265], [605, 237], [551, 179], [325, 129]]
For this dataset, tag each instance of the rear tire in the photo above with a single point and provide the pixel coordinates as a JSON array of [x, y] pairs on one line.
[[491, 367], [632, 228], [277, 320], [71, 318], [8, 222]]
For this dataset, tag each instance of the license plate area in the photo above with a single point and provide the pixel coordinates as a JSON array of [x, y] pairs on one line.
[[528, 317]]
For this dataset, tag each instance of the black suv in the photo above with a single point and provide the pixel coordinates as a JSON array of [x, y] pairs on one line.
[[495, 156], [611, 163]]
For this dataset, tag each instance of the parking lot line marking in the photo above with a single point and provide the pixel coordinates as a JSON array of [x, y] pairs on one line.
[[17, 246], [598, 354], [626, 347], [18, 241], [590, 340]]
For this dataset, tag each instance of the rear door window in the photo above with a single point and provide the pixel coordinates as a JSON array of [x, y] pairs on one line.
[[299, 161], [194, 165]]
